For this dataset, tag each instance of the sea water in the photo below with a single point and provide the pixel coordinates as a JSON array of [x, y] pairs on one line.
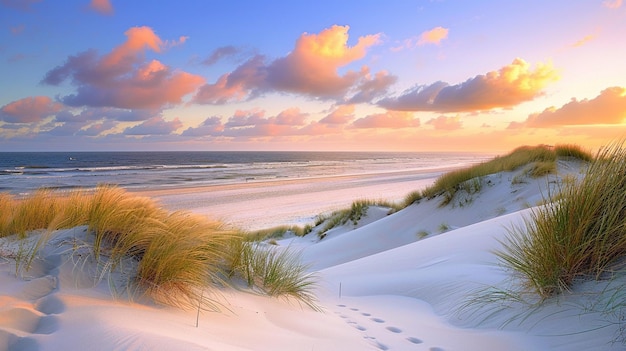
[[24, 172]]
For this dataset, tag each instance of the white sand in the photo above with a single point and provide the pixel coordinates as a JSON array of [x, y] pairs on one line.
[[382, 286]]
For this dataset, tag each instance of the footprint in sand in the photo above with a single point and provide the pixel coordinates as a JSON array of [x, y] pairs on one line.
[[366, 314], [394, 330], [414, 340], [378, 320], [50, 305], [38, 288], [341, 305], [22, 319], [436, 349], [354, 309], [360, 327]]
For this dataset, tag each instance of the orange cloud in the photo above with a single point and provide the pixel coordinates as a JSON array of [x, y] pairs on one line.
[[446, 123], [607, 108], [311, 69], [29, 110], [102, 6], [433, 36], [122, 78], [507, 87], [389, 119]]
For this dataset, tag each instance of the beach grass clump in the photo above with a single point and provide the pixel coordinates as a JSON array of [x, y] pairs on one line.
[[177, 255], [579, 236], [278, 273], [542, 157], [182, 254]]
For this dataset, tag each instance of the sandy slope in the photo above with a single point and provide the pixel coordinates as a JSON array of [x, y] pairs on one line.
[[393, 282]]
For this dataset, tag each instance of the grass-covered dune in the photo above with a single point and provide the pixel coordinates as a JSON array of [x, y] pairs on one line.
[[177, 254]]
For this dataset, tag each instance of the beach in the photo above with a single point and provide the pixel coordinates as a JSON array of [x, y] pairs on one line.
[[411, 280], [263, 204]]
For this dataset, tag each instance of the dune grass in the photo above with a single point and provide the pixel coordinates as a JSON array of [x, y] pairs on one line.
[[178, 255], [541, 160], [580, 236], [275, 272]]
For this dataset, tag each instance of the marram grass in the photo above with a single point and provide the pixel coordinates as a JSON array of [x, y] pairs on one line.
[[579, 236], [178, 254], [541, 160]]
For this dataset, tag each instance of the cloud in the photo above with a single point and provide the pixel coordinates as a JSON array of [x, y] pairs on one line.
[[340, 116], [607, 108], [244, 82], [583, 41], [209, 127], [311, 68], [101, 6], [21, 5], [433, 36], [223, 52], [389, 119], [372, 87], [612, 4], [252, 124], [155, 126], [446, 123], [122, 78], [507, 87], [29, 110]]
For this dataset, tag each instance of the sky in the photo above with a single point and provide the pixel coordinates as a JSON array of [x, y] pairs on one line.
[[324, 75]]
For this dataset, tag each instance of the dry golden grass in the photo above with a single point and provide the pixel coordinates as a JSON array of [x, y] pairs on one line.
[[543, 157], [579, 236], [179, 255]]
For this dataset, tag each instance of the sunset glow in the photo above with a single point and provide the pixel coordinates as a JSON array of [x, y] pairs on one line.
[[377, 76]]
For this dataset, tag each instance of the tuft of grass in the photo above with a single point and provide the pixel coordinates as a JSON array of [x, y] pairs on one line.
[[411, 198], [31, 213], [579, 236], [572, 150], [277, 273], [278, 232]]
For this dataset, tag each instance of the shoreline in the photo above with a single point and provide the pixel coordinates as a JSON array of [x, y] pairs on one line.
[[269, 203]]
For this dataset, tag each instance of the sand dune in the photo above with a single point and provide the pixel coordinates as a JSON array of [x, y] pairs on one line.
[[396, 283]]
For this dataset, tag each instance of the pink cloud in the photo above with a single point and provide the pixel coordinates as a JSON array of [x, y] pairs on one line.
[[101, 6], [252, 124], [342, 115], [311, 68], [122, 78], [389, 119], [607, 108], [446, 123], [433, 36], [507, 87], [29, 110]]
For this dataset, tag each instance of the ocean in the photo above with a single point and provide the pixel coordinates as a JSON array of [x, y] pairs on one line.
[[24, 172]]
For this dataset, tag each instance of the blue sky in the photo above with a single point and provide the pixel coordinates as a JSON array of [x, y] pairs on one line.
[[324, 75]]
